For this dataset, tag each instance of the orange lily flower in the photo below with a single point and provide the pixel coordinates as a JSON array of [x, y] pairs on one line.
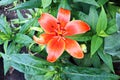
[[55, 32]]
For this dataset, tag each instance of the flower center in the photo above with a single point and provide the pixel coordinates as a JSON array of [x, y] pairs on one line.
[[60, 31]]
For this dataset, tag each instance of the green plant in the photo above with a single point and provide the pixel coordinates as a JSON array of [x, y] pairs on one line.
[[101, 44]]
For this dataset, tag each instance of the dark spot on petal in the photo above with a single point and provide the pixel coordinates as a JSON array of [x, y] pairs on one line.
[[58, 22], [52, 26]]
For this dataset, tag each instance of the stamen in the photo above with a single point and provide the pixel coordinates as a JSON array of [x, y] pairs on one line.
[[65, 33], [63, 38], [59, 29], [59, 39]]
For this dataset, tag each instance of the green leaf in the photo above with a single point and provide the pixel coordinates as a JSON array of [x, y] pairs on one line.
[[112, 45], [27, 25], [85, 62], [102, 2], [20, 16], [12, 48], [112, 10], [4, 36], [34, 77], [105, 68], [92, 19], [28, 5], [6, 66], [39, 29], [29, 64], [78, 73], [80, 37], [64, 4], [2, 21], [5, 46], [22, 39], [96, 61], [83, 16], [0, 56], [1, 41], [47, 76], [8, 50], [118, 21], [107, 59], [6, 2], [4, 26], [46, 3], [112, 27], [96, 42], [6, 60], [92, 2], [103, 34], [102, 22]]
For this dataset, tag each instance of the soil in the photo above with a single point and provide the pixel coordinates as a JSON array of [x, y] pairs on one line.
[[1, 69], [117, 67], [16, 75]]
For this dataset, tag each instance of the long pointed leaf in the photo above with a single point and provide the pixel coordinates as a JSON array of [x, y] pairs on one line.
[[46, 3], [102, 22], [6, 2], [78, 73], [80, 37], [29, 64], [28, 4], [96, 42], [92, 2], [107, 59]]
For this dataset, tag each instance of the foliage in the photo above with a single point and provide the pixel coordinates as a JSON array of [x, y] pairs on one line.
[[102, 45]]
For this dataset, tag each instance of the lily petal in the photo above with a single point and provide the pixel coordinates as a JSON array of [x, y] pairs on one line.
[[76, 27], [73, 48], [55, 49], [44, 38], [63, 16], [48, 22]]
